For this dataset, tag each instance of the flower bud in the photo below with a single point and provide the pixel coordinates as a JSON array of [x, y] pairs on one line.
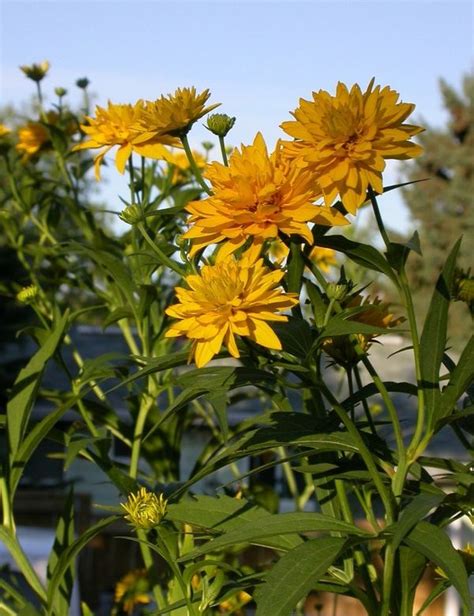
[[60, 92], [132, 214], [220, 124], [207, 145], [36, 72], [336, 291], [145, 509], [27, 295], [82, 83]]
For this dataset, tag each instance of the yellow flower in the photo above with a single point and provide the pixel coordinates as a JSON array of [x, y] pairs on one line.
[[121, 125], [324, 258], [376, 313], [28, 294], [345, 139], [31, 138], [36, 72], [256, 196], [227, 299], [233, 604], [145, 509], [132, 590], [181, 164], [4, 130], [174, 114]]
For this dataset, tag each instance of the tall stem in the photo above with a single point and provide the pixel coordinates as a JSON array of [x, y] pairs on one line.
[[194, 167], [223, 152]]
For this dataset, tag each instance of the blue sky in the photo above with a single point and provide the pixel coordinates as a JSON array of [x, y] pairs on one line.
[[257, 58]]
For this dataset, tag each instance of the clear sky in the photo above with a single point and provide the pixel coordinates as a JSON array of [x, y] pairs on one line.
[[257, 58]]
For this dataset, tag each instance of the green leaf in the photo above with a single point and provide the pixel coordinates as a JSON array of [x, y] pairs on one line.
[[63, 539], [342, 325], [223, 513], [295, 574], [364, 255], [411, 567], [25, 388], [258, 531], [295, 267], [415, 511], [67, 557], [460, 379], [318, 304], [295, 336], [433, 543], [24, 565], [433, 337], [32, 439]]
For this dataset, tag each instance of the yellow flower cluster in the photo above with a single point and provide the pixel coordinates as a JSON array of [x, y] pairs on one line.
[[132, 590], [145, 127], [339, 148]]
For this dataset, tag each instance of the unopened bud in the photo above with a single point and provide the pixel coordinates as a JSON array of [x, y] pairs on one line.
[[82, 83], [220, 124], [36, 72], [132, 214], [27, 295], [336, 291], [60, 92]]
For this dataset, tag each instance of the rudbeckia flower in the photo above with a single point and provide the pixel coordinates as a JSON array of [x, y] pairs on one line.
[[256, 196], [145, 509], [174, 114], [133, 589], [228, 299], [345, 139], [31, 138], [120, 125]]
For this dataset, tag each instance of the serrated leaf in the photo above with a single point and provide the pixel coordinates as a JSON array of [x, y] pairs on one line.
[[257, 532], [224, 513], [295, 574]]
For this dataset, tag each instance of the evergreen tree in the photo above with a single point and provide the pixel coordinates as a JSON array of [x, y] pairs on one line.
[[442, 207]]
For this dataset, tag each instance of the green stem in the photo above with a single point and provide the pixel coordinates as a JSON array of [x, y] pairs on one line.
[[177, 572], [194, 167], [164, 259], [149, 564], [378, 218], [131, 171], [289, 476], [365, 406], [8, 520], [358, 554], [365, 454], [223, 152]]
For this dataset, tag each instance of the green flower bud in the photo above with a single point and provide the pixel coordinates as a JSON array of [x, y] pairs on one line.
[[336, 291], [36, 72], [82, 83], [207, 145], [220, 124], [132, 215], [465, 290], [60, 92]]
